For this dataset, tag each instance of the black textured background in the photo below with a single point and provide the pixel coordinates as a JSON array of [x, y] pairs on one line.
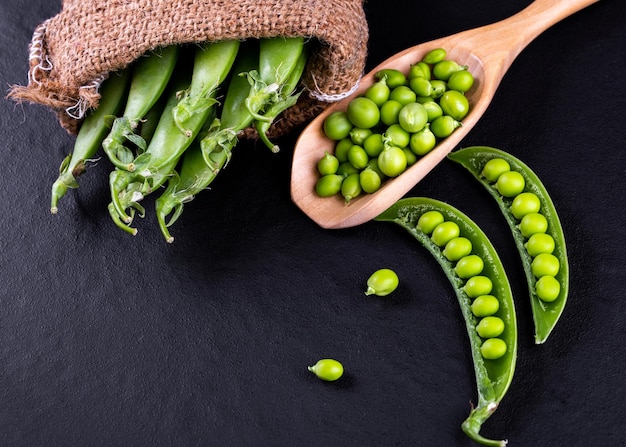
[[110, 340]]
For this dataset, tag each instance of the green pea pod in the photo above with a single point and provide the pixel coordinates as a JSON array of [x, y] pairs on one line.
[[89, 139], [545, 314], [212, 64], [493, 376], [151, 74], [278, 56]]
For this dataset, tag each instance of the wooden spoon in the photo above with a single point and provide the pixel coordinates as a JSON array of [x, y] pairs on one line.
[[487, 51]]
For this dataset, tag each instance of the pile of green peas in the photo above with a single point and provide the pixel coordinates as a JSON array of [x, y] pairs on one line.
[[525, 206], [398, 119], [468, 267]]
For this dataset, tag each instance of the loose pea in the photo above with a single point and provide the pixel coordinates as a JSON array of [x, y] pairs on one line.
[[490, 327], [494, 168], [533, 223], [358, 157], [425, 69], [413, 117], [545, 264], [422, 142], [392, 161], [337, 126], [524, 203], [510, 183], [485, 305], [432, 109], [346, 168], [477, 286], [328, 185], [439, 88], [455, 104], [373, 165], [429, 221], [468, 266], [443, 126], [341, 149], [327, 369], [444, 233], [382, 282], [421, 86], [415, 71], [540, 243], [370, 180], [403, 94], [457, 248], [374, 145], [547, 288], [411, 158], [328, 164], [351, 187], [461, 81], [493, 348], [444, 69], [378, 92], [397, 135], [358, 135], [394, 77], [435, 56], [389, 112], [363, 112]]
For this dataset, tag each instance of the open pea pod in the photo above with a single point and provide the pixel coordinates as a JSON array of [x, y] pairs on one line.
[[547, 311], [494, 373]]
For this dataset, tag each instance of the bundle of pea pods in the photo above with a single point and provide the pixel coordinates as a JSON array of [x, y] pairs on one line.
[[162, 127]]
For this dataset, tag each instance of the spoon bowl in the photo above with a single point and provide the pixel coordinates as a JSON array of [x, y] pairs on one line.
[[487, 51]]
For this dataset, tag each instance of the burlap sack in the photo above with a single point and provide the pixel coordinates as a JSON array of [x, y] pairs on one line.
[[72, 52]]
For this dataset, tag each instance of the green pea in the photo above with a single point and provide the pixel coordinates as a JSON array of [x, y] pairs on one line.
[[493, 348], [533, 223], [358, 157], [337, 126], [363, 112], [351, 187], [435, 56], [397, 135], [524, 203], [413, 117], [382, 282], [328, 185], [374, 145], [341, 149], [393, 77], [392, 161], [411, 158], [378, 92], [373, 165], [423, 142], [433, 110], [455, 104], [490, 327], [370, 180], [461, 81], [425, 69], [346, 168], [444, 69], [468, 266], [358, 135], [539, 243], [545, 264], [510, 183], [439, 88], [457, 248], [485, 305], [477, 286], [421, 86], [548, 288], [415, 71], [443, 126], [327, 369], [403, 94], [494, 168], [429, 221], [328, 164], [444, 233], [389, 112]]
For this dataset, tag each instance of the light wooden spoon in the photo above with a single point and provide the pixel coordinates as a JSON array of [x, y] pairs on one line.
[[487, 51]]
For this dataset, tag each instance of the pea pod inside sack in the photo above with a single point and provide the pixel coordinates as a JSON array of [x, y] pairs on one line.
[[477, 275], [535, 226]]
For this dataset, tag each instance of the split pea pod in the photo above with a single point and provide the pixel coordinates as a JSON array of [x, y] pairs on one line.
[[212, 63], [89, 138], [535, 225], [151, 74], [477, 275]]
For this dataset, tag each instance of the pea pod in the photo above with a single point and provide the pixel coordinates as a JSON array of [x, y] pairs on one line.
[[545, 313], [493, 375], [90, 135]]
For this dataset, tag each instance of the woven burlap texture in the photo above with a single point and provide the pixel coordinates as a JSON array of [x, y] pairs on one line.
[[72, 52]]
